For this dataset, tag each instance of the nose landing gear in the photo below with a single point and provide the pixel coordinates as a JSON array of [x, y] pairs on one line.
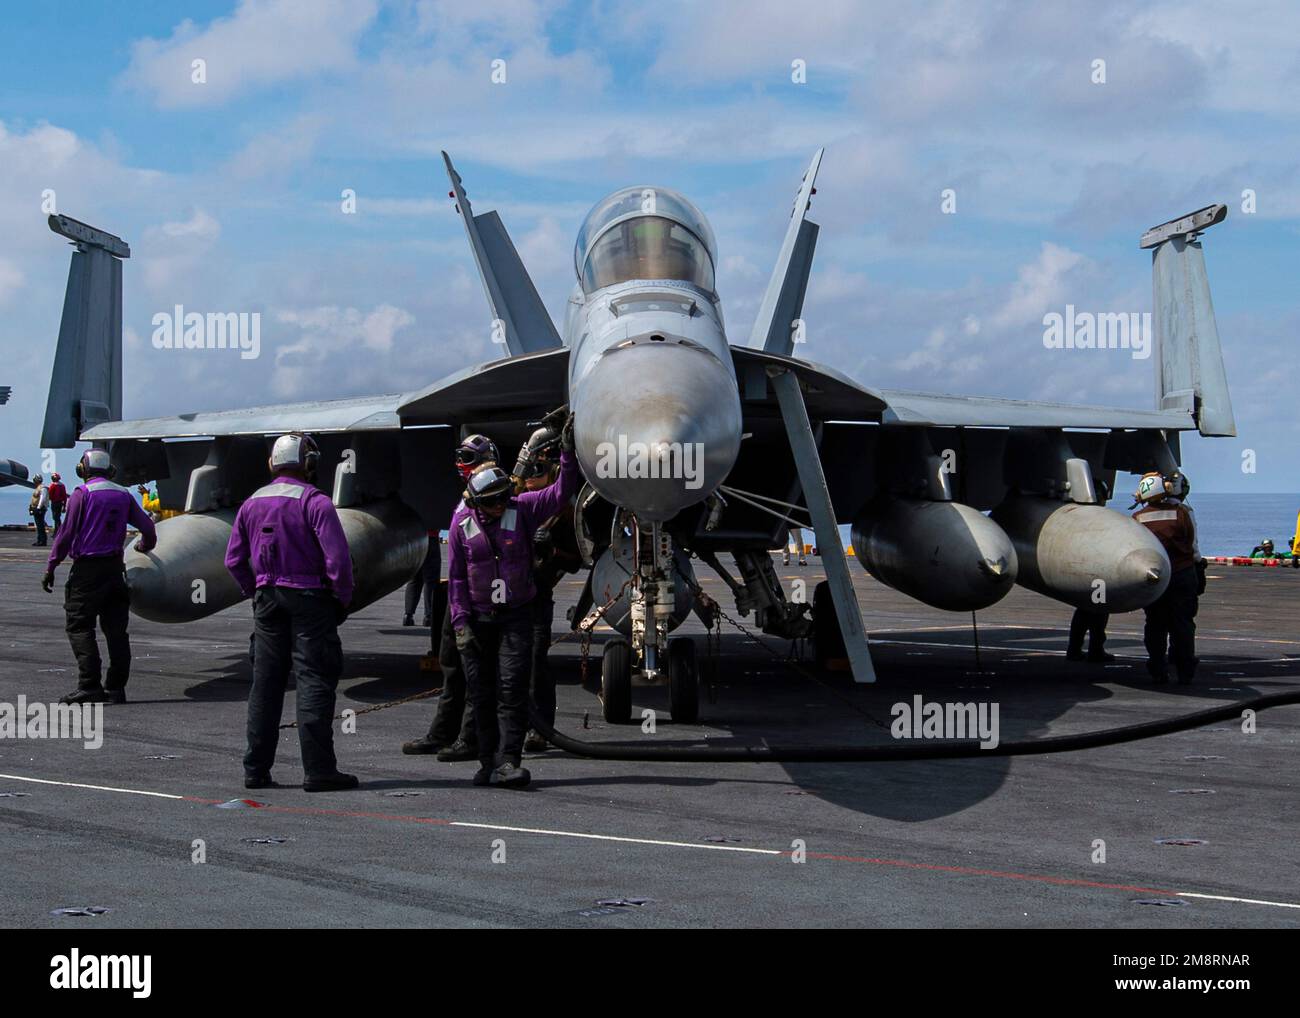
[[650, 654], [683, 681]]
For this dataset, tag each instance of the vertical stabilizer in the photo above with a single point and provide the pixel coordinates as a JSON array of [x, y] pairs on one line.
[[782, 306], [510, 292], [86, 384], [1189, 361]]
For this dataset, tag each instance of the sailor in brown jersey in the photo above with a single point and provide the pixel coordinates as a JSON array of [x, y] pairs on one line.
[[1170, 634]]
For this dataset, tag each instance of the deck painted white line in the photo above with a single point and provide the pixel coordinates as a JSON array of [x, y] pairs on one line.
[[612, 837], [1135, 634], [601, 837], [93, 788], [1240, 901], [983, 647], [1018, 648]]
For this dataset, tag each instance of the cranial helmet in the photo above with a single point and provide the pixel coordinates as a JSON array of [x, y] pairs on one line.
[[95, 463], [473, 452], [1150, 487], [1154, 486], [488, 486], [537, 454], [295, 451]]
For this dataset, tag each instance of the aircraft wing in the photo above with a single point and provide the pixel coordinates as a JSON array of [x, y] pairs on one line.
[[364, 413], [831, 395], [516, 388], [940, 410]]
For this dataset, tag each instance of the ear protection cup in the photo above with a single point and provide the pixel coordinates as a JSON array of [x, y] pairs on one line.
[[296, 451], [311, 458], [95, 462]]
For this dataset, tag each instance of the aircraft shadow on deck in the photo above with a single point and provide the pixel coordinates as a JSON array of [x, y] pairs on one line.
[[761, 700]]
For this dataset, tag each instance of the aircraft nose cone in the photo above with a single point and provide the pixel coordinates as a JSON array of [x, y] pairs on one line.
[[657, 427]]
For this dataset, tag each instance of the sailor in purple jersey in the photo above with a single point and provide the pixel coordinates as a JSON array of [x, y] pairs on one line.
[[93, 535], [490, 592], [453, 734], [288, 552]]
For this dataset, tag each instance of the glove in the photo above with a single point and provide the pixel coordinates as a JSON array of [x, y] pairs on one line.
[[465, 639], [340, 612], [47, 582], [1201, 567], [566, 436]]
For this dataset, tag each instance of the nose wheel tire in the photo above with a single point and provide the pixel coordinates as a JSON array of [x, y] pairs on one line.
[[683, 681], [616, 682]]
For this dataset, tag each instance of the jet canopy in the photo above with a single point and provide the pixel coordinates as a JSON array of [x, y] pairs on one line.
[[644, 233]]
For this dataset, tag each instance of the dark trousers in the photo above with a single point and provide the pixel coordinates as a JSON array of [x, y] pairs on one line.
[[96, 590], [496, 677], [542, 684], [39, 516], [294, 630], [425, 581], [1090, 623], [56, 514], [1171, 626], [454, 718]]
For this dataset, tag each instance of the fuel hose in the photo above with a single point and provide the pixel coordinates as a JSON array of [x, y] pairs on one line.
[[912, 750]]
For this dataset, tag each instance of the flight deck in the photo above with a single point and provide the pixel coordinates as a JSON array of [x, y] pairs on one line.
[[1196, 828]]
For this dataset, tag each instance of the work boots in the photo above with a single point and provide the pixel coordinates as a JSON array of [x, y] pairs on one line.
[[510, 775]]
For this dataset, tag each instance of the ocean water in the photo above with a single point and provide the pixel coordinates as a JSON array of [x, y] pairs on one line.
[[1229, 524]]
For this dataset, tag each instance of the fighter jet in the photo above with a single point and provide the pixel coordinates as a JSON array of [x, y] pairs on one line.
[[692, 445], [11, 471]]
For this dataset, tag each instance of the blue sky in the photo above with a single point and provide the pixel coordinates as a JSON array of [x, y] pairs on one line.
[[229, 191]]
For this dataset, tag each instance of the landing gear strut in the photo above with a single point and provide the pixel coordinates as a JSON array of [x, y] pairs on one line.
[[648, 560]]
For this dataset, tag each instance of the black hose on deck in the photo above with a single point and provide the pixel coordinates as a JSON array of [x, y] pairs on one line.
[[910, 749]]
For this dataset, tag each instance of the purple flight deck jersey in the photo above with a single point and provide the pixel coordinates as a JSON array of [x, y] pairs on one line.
[[483, 550], [288, 534], [95, 527]]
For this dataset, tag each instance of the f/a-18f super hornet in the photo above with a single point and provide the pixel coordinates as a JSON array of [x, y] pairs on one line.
[[692, 446], [11, 471]]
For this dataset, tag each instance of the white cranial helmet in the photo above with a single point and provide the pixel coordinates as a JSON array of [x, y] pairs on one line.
[[294, 452]]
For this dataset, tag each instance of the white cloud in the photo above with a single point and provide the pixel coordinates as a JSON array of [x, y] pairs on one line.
[[171, 253], [263, 43], [200, 227], [330, 339], [546, 250], [11, 280], [278, 150], [1041, 286]]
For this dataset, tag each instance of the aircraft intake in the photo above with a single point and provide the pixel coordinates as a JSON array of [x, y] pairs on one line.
[[1085, 555], [945, 554], [185, 578]]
